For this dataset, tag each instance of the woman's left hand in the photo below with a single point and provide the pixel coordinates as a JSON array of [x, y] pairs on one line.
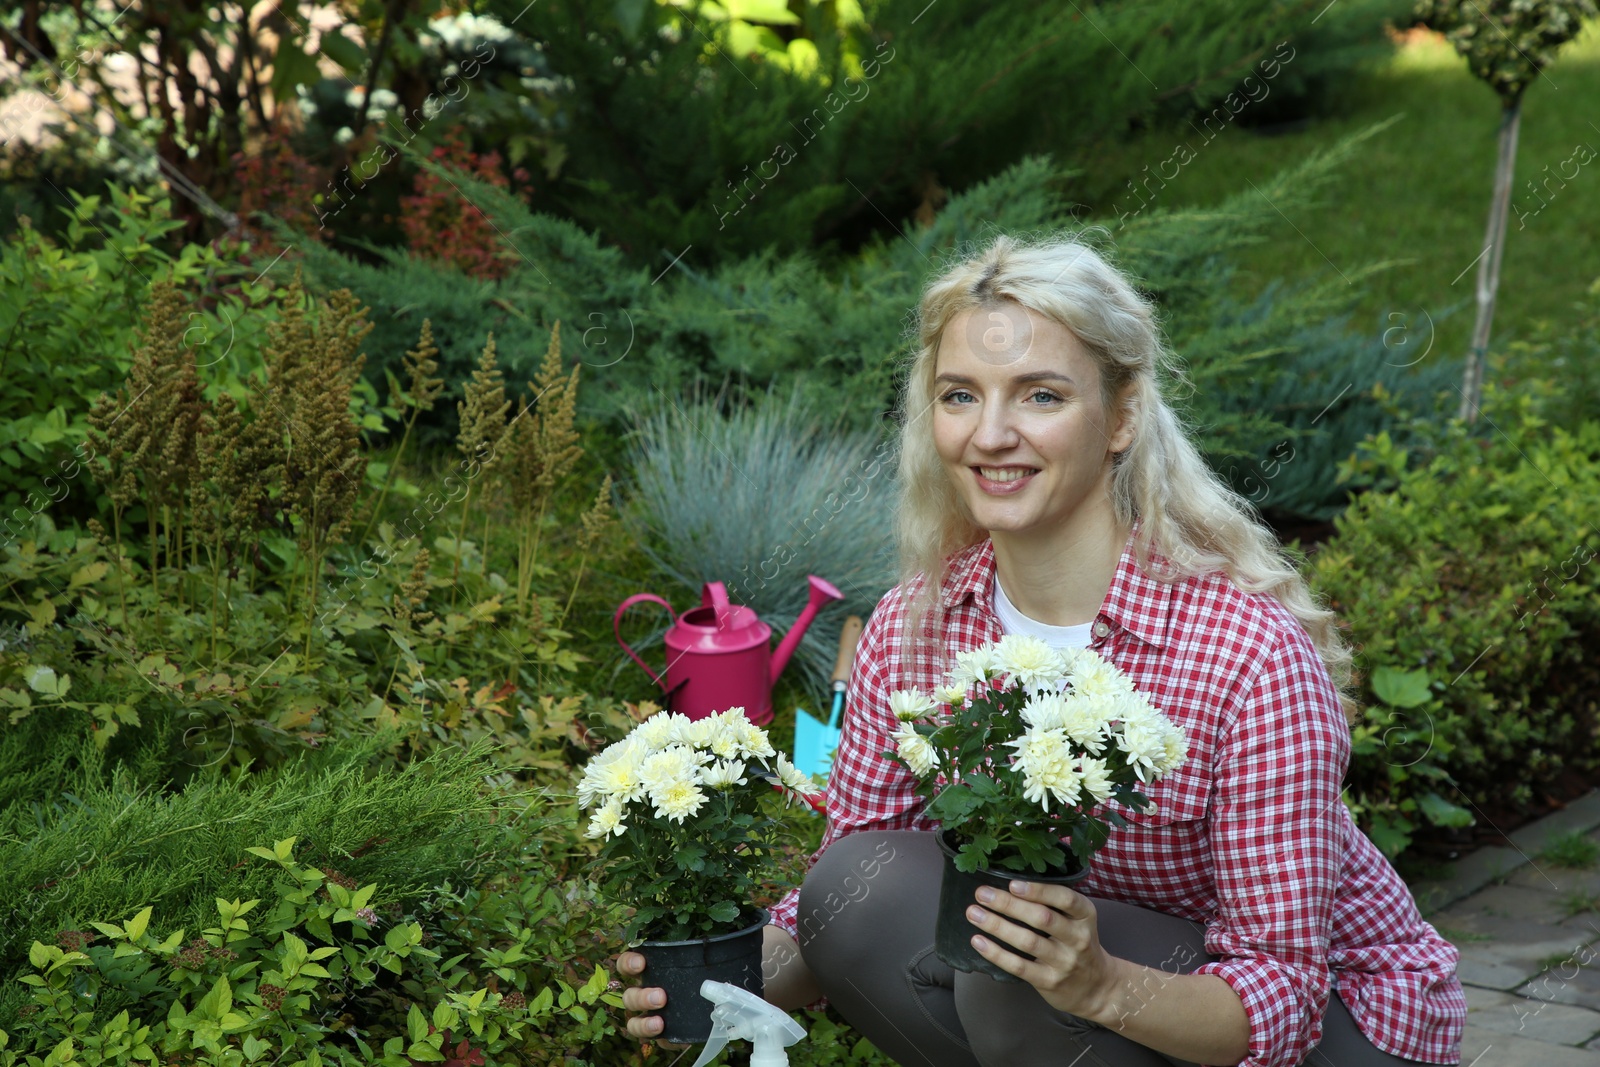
[[1070, 970]]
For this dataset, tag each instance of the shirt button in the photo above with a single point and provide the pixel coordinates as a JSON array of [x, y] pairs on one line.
[[1100, 628]]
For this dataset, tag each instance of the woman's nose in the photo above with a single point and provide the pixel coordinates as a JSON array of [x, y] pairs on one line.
[[996, 431]]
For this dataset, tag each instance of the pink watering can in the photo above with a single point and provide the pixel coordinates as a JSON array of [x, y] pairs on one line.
[[719, 654]]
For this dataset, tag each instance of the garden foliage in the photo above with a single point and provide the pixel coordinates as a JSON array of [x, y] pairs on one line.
[[833, 332], [335, 972], [68, 311], [757, 499], [1471, 593], [702, 138], [106, 846]]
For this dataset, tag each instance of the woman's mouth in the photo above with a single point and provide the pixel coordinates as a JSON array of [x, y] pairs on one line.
[[1003, 480]]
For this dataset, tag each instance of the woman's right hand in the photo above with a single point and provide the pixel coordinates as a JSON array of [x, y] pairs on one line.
[[641, 999]]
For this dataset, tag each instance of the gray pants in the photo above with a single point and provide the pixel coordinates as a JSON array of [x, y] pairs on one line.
[[866, 931]]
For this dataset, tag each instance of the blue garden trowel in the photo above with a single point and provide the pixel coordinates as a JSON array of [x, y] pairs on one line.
[[815, 741]]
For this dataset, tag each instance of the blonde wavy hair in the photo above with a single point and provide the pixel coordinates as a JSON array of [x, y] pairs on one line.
[[1185, 513]]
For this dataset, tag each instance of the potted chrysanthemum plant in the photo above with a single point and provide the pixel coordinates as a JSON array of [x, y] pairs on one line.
[[677, 808], [1023, 750]]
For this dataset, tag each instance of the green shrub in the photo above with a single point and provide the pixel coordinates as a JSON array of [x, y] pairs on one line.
[[1470, 592], [67, 317], [1560, 363], [118, 845], [690, 134], [211, 591], [833, 331], [1331, 390], [334, 973]]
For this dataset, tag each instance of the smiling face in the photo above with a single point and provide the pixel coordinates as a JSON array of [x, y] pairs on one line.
[[1020, 428]]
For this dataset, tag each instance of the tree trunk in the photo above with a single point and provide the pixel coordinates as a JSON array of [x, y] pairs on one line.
[[1494, 245]]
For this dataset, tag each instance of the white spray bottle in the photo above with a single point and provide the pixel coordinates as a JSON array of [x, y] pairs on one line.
[[740, 1014]]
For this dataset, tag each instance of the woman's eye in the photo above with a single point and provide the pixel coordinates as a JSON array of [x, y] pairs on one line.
[[957, 394]]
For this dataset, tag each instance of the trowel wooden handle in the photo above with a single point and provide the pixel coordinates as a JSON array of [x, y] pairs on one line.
[[847, 648]]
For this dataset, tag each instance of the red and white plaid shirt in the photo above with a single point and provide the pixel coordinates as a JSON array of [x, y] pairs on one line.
[[1249, 836]]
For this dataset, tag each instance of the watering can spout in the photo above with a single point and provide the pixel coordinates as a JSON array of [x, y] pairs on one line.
[[821, 592]]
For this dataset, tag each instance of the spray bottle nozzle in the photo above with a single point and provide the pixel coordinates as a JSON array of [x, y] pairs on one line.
[[740, 1014]]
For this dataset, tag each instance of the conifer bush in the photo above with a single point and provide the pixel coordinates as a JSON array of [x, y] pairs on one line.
[[835, 330], [684, 131]]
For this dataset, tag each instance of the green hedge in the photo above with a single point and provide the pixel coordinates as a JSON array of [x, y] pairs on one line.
[[1471, 593]]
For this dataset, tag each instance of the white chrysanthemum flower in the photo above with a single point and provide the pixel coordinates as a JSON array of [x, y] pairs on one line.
[[1176, 746], [607, 819], [1086, 722], [1144, 740], [909, 705], [916, 750], [615, 772], [953, 695], [723, 774], [1044, 759], [656, 732], [720, 733], [1096, 678], [1029, 661], [973, 667], [750, 740], [677, 800], [1045, 710], [793, 779], [673, 764], [1095, 777], [691, 733]]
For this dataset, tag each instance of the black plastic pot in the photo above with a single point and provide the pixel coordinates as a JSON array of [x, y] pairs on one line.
[[952, 935], [678, 967]]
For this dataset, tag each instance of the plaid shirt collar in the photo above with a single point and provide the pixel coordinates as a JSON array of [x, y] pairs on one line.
[[1135, 602]]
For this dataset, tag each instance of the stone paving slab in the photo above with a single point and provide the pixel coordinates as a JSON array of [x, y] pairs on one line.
[[1501, 949], [1489, 865], [1575, 980], [1537, 1020], [1469, 874], [1582, 815], [1556, 879], [1482, 1047], [1529, 936], [1509, 902]]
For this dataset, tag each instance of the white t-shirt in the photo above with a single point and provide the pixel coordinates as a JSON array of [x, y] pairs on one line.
[[1015, 622]]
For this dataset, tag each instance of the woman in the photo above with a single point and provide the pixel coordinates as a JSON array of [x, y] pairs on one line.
[[1048, 489]]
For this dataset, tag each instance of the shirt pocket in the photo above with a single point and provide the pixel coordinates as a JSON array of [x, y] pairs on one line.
[[1182, 796]]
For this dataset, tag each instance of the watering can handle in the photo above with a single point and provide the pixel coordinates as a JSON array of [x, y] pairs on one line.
[[715, 595], [616, 628]]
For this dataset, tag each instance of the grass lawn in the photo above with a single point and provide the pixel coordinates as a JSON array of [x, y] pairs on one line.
[[1417, 192]]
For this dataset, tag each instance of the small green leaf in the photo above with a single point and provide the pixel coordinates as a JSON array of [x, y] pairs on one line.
[[1440, 812], [216, 1003], [1401, 689], [43, 680]]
